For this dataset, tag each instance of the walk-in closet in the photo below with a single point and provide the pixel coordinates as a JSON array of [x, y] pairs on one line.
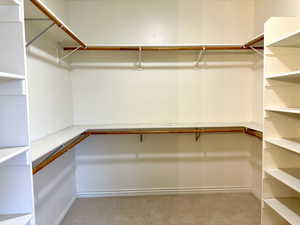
[[135, 112]]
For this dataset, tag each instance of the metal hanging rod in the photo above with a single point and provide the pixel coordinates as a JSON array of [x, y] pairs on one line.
[[169, 48]]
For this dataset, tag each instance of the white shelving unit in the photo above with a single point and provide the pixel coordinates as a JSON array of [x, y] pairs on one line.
[[281, 153], [16, 195]]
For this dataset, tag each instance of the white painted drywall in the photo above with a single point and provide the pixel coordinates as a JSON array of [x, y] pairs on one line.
[[163, 164], [264, 9], [156, 21]]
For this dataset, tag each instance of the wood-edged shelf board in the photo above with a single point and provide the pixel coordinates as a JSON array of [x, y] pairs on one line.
[[288, 144], [290, 75], [290, 40], [10, 2], [284, 110], [51, 142], [287, 208], [9, 153], [21, 219], [10, 76], [288, 176]]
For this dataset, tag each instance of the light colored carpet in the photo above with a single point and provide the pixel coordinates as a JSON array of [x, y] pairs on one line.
[[203, 209]]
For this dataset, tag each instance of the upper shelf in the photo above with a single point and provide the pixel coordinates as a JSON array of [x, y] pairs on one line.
[[9, 153], [290, 40], [284, 110], [10, 2]]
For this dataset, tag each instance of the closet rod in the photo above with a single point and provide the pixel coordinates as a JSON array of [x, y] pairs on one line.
[[169, 48], [69, 146], [57, 21]]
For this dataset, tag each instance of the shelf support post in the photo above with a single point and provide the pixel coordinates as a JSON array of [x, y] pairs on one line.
[[140, 59], [40, 34], [200, 57]]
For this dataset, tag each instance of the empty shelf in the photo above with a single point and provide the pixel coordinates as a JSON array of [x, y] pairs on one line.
[[290, 40], [9, 153], [287, 208], [15, 219], [10, 2], [8, 76], [292, 145], [288, 176], [291, 75], [284, 110]]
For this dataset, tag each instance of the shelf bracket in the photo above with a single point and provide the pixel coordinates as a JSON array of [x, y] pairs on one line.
[[40, 34], [200, 57], [69, 54], [197, 135], [140, 59], [141, 138], [255, 50]]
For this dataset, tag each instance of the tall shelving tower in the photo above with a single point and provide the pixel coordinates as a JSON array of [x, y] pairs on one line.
[[281, 153], [16, 192]]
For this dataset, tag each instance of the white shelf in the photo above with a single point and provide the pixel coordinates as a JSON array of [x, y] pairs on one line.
[[284, 110], [10, 76], [290, 40], [9, 153], [289, 177], [292, 75], [49, 143], [292, 145], [10, 2], [287, 208], [15, 219]]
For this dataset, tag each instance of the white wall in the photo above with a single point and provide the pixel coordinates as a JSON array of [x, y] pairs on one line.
[[163, 164], [168, 21], [264, 9]]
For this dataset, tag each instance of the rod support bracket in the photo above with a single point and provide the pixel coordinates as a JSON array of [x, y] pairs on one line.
[[38, 36]]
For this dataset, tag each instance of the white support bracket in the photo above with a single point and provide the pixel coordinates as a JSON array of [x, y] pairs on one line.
[[69, 54], [200, 57], [40, 35], [140, 59], [255, 50]]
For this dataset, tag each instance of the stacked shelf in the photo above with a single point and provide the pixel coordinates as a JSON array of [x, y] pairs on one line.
[[16, 196], [281, 154]]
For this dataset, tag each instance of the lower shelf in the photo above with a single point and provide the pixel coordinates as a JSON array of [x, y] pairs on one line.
[[289, 177], [21, 219], [287, 208]]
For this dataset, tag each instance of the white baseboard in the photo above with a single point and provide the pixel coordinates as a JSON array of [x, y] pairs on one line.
[[162, 191], [64, 212]]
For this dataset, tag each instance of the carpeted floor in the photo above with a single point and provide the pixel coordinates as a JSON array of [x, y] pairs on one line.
[[205, 209]]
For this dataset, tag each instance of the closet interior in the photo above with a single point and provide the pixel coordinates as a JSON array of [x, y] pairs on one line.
[[147, 112]]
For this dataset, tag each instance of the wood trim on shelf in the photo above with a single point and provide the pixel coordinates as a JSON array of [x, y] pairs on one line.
[[56, 155], [256, 40], [86, 134], [57, 21]]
